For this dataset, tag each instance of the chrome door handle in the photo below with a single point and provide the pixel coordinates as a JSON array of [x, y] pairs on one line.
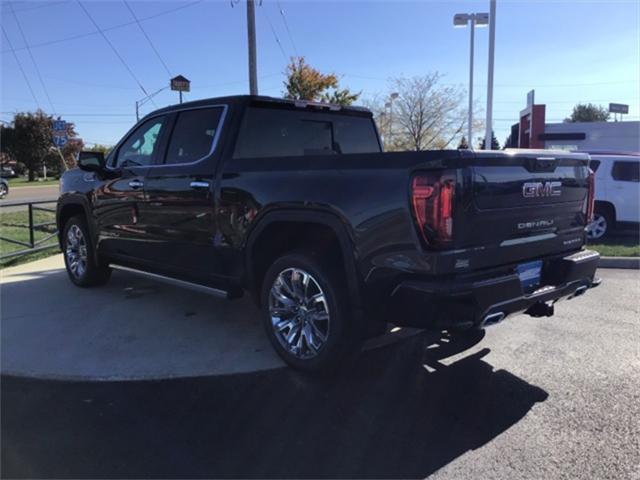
[[199, 184], [136, 184]]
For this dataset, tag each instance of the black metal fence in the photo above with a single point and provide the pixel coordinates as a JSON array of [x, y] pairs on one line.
[[49, 228]]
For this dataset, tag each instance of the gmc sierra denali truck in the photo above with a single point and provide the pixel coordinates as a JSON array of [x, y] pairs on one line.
[[295, 203]]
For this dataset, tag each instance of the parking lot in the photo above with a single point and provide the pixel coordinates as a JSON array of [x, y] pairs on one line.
[[144, 379]]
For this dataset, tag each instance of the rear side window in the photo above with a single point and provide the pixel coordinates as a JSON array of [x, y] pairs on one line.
[[626, 171], [268, 132], [594, 165], [193, 135]]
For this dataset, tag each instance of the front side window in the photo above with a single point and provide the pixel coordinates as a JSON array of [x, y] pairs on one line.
[[141, 148], [626, 171], [276, 132], [193, 135]]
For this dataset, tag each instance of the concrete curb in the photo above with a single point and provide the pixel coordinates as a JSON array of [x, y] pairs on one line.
[[632, 263]]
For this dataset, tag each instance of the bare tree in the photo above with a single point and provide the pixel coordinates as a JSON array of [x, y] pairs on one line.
[[429, 115], [426, 114]]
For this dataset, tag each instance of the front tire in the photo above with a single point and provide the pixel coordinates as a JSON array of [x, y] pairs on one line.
[[306, 313], [79, 257], [4, 190]]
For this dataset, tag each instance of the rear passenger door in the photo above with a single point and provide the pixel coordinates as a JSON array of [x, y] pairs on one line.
[[624, 190], [179, 208]]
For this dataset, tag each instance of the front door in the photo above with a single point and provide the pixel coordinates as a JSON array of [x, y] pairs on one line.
[[119, 199], [179, 212]]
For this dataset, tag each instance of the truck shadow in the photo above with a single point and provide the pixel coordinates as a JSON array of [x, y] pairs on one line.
[[405, 410]]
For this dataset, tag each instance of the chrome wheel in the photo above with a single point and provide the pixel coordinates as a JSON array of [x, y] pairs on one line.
[[76, 251], [299, 313], [3, 190], [598, 227]]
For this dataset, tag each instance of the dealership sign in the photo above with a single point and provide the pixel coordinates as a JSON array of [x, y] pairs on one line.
[[180, 84], [618, 108]]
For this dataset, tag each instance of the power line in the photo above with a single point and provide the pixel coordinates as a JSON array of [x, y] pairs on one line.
[[112, 47], [36, 7], [236, 82], [90, 84], [525, 85], [114, 27], [24, 75], [286, 25], [35, 64], [273, 30], [148, 39], [93, 114]]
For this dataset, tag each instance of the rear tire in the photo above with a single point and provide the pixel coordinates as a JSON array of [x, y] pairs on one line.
[[305, 310], [79, 255], [4, 190], [601, 225]]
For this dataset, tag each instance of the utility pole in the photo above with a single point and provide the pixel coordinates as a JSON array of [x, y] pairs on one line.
[[137, 112], [251, 36], [492, 40]]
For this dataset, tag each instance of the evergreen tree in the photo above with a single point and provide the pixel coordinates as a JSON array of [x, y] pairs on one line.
[[463, 145]]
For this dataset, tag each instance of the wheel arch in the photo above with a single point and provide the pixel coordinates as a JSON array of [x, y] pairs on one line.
[[298, 226], [603, 205], [70, 206]]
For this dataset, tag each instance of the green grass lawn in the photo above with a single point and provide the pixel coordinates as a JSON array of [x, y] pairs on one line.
[[24, 182], [607, 250], [617, 245], [14, 225]]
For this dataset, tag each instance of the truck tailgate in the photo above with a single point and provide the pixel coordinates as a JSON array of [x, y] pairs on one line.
[[525, 205]]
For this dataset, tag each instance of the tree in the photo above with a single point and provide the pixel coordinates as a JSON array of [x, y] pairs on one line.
[[463, 145], [306, 83], [7, 139], [100, 148], [588, 113], [426, 115], [495, 144], [29, 141]]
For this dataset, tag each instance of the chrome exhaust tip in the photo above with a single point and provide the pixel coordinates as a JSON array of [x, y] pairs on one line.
[[579, 291], [493, 318]]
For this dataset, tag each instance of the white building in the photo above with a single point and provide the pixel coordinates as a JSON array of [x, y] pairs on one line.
[[590, 136]]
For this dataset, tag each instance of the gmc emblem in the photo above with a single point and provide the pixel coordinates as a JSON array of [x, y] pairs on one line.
[[539, 189]]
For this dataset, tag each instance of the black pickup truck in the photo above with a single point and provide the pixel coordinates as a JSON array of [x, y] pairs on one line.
[[295, 203]]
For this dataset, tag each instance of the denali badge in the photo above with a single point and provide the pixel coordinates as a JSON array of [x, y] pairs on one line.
[[539, 189], [535, 224]]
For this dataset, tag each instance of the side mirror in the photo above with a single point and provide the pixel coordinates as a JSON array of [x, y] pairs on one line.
[[91, 161]]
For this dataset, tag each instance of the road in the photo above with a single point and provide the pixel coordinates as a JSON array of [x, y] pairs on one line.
[[533, 398], [31, 194], [28, 194]]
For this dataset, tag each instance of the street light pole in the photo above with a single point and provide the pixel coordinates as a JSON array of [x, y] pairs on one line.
[[392, 97], [470, 119], [251, 37], [488, 136], [462, 20]]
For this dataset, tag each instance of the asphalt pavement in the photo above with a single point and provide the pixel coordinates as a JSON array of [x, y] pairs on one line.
[[532, 398], [31, 194]]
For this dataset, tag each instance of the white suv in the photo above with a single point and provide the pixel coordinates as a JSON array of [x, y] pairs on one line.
[[617, 192]]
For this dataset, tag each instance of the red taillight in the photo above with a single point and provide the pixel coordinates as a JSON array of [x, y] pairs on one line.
[[432, 195], [591, 195]]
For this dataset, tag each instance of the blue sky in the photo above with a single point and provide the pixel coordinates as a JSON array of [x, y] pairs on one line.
[[579, 51]]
